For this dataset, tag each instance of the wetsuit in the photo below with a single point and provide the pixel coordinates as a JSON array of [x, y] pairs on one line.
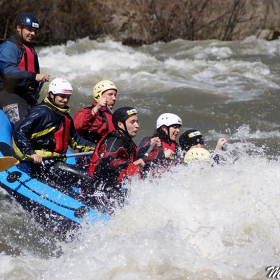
[[111, 158], [109, 165]]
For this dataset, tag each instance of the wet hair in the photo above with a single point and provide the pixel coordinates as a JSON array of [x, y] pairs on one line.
[[162, 135]]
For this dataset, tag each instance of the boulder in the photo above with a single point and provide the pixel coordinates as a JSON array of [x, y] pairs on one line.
[[146, 21]]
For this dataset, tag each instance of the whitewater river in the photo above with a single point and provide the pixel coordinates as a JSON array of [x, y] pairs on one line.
[[196, 222]]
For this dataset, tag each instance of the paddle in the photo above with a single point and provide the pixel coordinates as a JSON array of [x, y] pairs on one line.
[[37, 94], [9, 161], [133, 169]]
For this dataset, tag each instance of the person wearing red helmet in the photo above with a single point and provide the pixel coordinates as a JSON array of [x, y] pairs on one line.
[[20, 76]]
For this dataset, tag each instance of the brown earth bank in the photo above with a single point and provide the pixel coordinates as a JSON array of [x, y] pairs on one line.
[[136, 22]]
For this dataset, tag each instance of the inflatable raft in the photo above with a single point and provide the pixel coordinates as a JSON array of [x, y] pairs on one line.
[[59, 209]]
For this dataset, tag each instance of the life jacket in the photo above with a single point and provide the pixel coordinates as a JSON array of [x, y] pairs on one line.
[[27, 62], [167, 146], [123, 173], [28, 58], [62, 135], [166, 164], [97, 159], [107, 125]]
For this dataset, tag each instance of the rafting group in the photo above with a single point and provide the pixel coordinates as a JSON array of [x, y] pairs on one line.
[[42, 132]]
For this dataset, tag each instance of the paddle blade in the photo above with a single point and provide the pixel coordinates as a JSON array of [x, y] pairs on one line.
[[7, 162], [132, 169]]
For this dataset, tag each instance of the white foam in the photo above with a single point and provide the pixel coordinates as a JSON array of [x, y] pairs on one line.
[[211, 67], [220, 220]]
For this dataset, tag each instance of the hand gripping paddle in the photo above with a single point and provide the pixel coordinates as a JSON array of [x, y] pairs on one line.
[[133, 169], [10, 161]]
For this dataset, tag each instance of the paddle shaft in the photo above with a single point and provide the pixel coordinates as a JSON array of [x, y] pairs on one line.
[[72, 155], [149, 150], [37, 94], [10, 161], [62, 156]]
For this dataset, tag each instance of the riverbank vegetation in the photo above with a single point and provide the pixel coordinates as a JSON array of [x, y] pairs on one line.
[[136, 22]]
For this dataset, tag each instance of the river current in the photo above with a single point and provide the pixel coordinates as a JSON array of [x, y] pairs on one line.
[[198, 221]]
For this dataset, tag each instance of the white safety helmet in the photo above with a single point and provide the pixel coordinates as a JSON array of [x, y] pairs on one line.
[[60, 86], [168, 119]]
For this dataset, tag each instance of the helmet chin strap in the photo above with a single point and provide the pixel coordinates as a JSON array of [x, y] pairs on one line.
[[168, 130], [20, 35], [53, 99], [22, 39], [124, 131]]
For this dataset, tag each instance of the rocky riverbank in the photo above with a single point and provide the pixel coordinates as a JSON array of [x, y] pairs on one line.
[[136, 22]]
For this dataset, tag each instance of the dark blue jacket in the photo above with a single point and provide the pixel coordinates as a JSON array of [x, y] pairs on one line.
[[13, 79], [36, 132]]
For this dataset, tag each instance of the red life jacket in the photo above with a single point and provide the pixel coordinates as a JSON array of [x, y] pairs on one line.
[[97, 159], [166, 146], [103, 120], [62, 135], [27, 62], [168, 163], [123, 173], [107, 124]]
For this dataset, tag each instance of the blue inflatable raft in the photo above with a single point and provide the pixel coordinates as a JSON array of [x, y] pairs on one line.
[[59, 210]]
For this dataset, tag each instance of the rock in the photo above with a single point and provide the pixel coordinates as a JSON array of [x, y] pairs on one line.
[[147, 21], [268, 34]]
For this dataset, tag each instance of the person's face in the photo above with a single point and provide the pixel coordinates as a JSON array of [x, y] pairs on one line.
[[174, 130], [60, 100], [132, 125], [111, 97], [27, 33]]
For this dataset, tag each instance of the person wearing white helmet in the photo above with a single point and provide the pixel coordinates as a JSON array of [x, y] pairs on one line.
[[47, 131], [95, 121], [167, 129], [20, 77]]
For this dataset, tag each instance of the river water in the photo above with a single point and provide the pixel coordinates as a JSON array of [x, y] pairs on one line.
[[196, 222]]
